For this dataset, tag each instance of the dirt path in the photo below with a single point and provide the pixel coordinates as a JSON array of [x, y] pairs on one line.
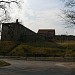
[[22, 67]]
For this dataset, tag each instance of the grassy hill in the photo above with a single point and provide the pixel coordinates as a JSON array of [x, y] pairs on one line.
[[54, 49], [6, 47]]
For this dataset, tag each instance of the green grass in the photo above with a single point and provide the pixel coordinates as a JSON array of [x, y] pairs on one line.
[[69, 47], [34, 50], [44, 44], [3, 63], [53, 49], [6, 47]]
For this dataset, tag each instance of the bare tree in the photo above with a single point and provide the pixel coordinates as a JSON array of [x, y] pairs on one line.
[[4, 5], [69, 12]]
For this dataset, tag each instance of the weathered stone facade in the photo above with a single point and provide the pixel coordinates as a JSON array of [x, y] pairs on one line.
[[49, 34], [17, 32]]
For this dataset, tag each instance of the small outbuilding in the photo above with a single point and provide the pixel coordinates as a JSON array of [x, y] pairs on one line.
[[47, 33]]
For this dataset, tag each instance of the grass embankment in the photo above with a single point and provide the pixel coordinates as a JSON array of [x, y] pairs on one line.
[[64, 49], [69, 48], [6, 47], [3, 63], [38, 49]]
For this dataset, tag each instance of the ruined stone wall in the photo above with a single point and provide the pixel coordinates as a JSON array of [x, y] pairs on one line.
[[17, 32]]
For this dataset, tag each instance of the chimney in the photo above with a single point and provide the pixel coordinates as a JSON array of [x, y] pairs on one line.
[[17, 21]]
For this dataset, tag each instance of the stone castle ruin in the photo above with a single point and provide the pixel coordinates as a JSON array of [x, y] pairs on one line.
[[17, 32]]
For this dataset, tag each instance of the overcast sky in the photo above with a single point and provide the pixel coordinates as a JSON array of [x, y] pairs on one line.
[[42, 14]]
